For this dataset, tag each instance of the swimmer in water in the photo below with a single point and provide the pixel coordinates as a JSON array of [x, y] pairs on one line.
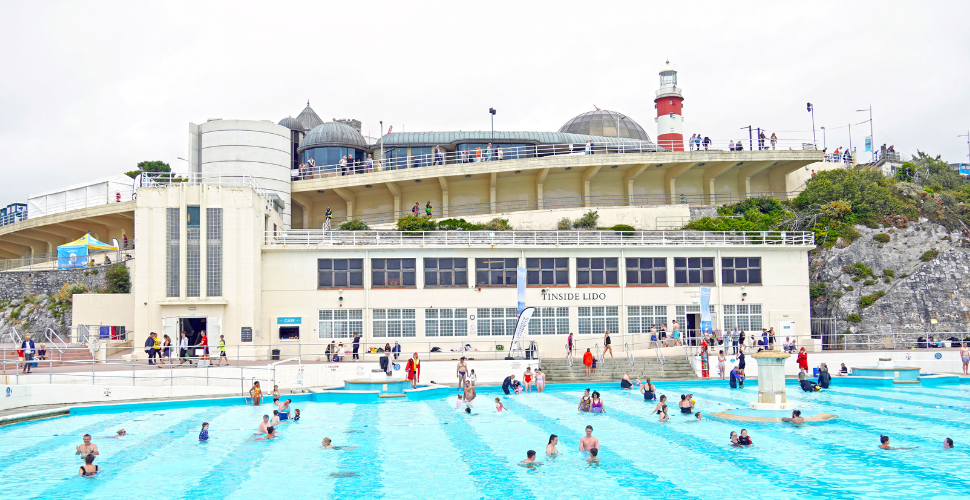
[[470, 392], [884, 444], [554, 440], [530, 460], [296, 414], [948, 443], [263, 425], [276, 418], [698, 416], [734, 439], [499, 407], [468, 410], [664, 417], [660, 404], [120, 433], [271, 433], [593, 456], [327, 445], [204, 434], [796, 418], [588, 442], [88, 469], [87, 447], [744, 439]]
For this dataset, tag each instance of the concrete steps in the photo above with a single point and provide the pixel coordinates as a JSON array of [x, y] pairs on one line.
[[612, 370]]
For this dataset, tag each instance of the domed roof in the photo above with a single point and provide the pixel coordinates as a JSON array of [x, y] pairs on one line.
[[292, 124], [308, 117], [333, 134], [603, 123]]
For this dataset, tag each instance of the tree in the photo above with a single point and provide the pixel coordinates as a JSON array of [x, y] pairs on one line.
[[149, 166]]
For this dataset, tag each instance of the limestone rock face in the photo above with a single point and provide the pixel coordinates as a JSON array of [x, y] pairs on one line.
[[926, 286]]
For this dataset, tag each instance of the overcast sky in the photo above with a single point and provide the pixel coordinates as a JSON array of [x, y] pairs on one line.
[[89, 89]]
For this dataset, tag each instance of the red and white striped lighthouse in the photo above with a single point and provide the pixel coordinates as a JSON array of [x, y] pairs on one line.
[[670, 105]]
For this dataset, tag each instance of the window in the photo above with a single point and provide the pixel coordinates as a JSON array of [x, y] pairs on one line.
[[340, 323], [394, 323], [495, 272], [745, 317], [640, 319], [446, 322], [172, 237], [681, 317], [340, 273], [548, 271], [694, 270], [741, 271], [646, 271], [550, 321], [213, 252], [193, 254], [597, 271], [289, 333], [597, 319], [392, 273], [445, 272], [497, 320]]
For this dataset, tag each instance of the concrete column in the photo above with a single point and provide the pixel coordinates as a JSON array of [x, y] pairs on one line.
[[349, 198], [670, 179], [746, 172], [628, 178], [588, 175], [711, 173], [395, 191], [444, 196], [491, 191], [540, 180]]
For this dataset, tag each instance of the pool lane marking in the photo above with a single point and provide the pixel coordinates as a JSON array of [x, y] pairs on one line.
[[512, 451], [489, 473], [859, 455], [55, 444], [456, 473], [637, 478], [672, 448], [136, 451], [364, 460]]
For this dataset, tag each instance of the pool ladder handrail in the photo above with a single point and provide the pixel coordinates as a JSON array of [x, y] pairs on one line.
[[629, 353], [569, 356]]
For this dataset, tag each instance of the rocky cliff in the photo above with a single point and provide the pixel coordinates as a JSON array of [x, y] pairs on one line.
[[911, 277]]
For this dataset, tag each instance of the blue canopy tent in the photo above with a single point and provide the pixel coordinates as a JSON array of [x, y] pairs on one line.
[[75, 254]]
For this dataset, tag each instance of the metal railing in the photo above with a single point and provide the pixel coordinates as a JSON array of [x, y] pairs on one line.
[[629, 354], [353, 166], [39, 209], [224, 179], [537, 238], [589, 203], [52, 337]]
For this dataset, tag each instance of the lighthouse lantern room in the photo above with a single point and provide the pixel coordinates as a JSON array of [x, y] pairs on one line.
[[670, 105]]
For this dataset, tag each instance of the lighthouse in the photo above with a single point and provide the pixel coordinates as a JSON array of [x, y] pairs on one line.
[[670, 105]]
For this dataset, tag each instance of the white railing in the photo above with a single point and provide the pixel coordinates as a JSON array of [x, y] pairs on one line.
[[52, 337], [355, 166], [319, 237], [224, 179], [629, 354], [11, 336], [569, 356]]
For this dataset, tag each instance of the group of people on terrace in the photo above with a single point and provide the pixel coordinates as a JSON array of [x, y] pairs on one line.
[[161, 348]]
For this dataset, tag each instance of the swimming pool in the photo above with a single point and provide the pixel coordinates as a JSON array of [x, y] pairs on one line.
[[428, 449]]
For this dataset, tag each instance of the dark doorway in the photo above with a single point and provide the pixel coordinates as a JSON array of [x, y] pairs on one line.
[[193, 328], [693, 323]]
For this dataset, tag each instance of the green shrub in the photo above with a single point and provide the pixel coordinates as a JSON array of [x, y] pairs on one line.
[[835, 294], [458, 225], [929, 255], [887, 279], [849, 288], [564, 224], [854, 317], [869, 282], [856, 278], [903, 276], [118, 279], [868, 300], [624, 228], [889, 272], [882, 238], [862, 270], [416, 223], [497, 224], [353, 225], [817, 290], [587, 221]]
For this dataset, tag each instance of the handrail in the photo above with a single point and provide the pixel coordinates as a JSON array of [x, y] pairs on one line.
[[569, 356], [600, 356], [15, 337], [537, 238], [606, 145], [629, 354], [47, 336]]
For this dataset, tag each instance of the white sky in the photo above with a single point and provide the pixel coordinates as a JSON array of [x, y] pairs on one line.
[[91, 88]]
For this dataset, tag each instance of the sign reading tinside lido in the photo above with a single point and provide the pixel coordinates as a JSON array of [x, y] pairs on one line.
[[568, 296]]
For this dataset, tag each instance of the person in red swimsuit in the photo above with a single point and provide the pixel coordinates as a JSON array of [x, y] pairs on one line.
[[414, 370], [803, 359], [527, 376], [588, 361]]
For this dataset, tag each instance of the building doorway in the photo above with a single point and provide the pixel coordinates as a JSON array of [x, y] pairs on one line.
[[193, 328]]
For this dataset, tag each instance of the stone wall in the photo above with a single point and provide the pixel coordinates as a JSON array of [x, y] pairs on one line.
[[20, 284]]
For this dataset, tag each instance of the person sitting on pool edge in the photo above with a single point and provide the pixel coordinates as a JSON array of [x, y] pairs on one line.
[[625, 382]]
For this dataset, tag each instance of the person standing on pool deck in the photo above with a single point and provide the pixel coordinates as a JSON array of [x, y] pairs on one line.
[[396, 350], [461, 371], [803, 359], [965, 356], [414, 370], [721, 360], [607, 345], [588, 441], [356, 345], [256, 393], [741, 362], [569, 342], [588, 361], [222, 351], [87, 447]]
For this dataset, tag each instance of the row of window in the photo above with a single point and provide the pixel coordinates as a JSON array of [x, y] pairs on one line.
[[545, 271], [500, 321]]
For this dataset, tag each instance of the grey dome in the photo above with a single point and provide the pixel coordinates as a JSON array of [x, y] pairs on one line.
[[292, 124], [333, 134], [308, 118], [603, 123]]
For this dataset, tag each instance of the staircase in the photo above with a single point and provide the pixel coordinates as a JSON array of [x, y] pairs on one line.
[[612, 370], [54, 357]]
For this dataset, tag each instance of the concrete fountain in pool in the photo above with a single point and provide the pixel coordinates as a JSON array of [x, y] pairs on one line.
[[885, 373]]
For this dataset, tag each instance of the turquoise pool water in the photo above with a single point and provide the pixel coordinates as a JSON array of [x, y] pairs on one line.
[[428, 449]]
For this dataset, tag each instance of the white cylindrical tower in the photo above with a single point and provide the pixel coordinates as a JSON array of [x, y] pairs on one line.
[[670, 105]]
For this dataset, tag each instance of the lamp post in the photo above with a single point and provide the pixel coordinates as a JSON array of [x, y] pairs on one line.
[[967, 135], [750, 141], [492, 112], [872, 138], [811, 109], [382, 141], [824, 144]]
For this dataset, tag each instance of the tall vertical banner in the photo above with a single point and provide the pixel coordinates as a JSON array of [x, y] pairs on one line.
[[868, 144], [706, 310], [521, 326], [520, 280]]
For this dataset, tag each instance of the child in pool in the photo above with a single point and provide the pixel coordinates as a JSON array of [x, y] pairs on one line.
[[276, 418], [204, 435], [499, 407], [296, 415]]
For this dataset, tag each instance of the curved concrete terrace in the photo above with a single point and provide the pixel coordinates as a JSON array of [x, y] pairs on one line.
[[37, 236]]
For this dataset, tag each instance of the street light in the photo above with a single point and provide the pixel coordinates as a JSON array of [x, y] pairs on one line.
[[824, 144], [382, 141], [492, 111], [872, 138], [967, 135], [811, 109]]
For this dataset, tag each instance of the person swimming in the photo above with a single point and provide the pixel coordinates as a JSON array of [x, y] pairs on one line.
[[744, 439], [499, 407], [685, 405], [89, 469], [796, 417], [948, 443], [204, 434], [734, 439], [884, 444], [327, 445], [698, 416], [530, 460], [296, 414], [664, 417], [593, 456], [660, 404]]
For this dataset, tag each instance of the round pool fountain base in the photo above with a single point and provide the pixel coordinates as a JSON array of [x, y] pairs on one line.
[[752, 415]]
